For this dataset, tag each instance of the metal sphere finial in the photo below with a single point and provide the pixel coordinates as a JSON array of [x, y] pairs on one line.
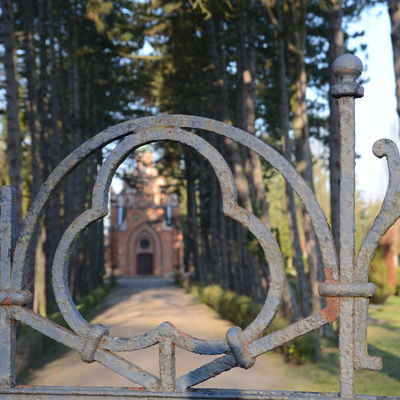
[[347, 68]]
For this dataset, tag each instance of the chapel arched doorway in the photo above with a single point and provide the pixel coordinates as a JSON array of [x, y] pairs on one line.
[[145, 264], [145, 250]]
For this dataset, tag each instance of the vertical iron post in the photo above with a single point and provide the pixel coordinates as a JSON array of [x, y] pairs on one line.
[[7, 324], [347, 69], [167, 365]]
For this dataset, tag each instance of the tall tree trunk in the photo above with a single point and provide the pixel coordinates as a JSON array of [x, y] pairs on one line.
[[303, 288], [75, 190], [336, 42], [244, 81], [249, 82], [304, 163], [36, 277], [250, 160], [13, 127], [291, 310], [215, 237], [43, 110], [53, 217], [217, 69], [394, 13], [95, 241], [43, 290], [302, 144], [39, 297], [33, 120], [208, 261], [246, 74], [229, 251], [193, 245], [225, 242]]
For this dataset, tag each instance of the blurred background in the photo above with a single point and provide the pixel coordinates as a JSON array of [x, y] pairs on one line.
[[70, 69]]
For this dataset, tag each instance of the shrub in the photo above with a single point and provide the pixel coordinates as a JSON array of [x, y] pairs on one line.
[[398, 282], [378, 276], [241, 311], [301, 350]]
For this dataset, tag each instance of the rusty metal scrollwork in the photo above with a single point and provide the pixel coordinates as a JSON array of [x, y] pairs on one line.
[[346, 286]]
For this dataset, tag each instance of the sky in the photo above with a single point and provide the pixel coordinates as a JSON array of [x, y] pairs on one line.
[[376, 115]]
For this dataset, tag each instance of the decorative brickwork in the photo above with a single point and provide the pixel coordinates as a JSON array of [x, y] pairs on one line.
[[144, 236]]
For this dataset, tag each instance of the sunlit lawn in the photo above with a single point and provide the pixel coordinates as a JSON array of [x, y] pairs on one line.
[[384, 341]]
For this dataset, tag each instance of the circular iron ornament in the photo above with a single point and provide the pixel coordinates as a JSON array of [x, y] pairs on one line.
[[230, 207], [240, 347], [268, 153]]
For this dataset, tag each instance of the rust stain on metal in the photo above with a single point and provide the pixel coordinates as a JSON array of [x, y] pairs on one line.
[[331, 311]]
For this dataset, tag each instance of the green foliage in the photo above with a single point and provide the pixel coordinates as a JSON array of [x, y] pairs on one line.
[[378, 276], [301, 350], [398, 282], [241, 311], [383, 341]]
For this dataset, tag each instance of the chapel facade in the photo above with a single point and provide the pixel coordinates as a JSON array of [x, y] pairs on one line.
[[145, 239]]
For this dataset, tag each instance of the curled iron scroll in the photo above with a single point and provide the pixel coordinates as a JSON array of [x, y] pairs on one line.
[[388, 214]]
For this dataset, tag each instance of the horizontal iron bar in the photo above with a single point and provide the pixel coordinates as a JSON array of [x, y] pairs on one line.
[[356, 289], [15, 297], [95, 393]]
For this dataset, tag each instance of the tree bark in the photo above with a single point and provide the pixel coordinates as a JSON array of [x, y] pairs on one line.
[[36, 277], [75, 186], [303, 288], [302, 144], [192, 226], [220, 97], [229, 250], [247, 73], [53, 217], [43, 92], [216, 247], [13, 127], [33, 120], [39, 295], [208, 261], [225, 240]]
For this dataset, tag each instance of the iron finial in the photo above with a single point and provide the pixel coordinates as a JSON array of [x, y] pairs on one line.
[[347, 69]]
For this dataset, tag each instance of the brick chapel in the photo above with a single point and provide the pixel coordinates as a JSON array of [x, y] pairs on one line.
[[144, 236]]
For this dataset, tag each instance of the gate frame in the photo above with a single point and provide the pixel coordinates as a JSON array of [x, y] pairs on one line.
[[346, 288]]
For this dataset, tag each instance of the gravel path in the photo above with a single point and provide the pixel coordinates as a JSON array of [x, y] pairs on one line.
[[137, 305]]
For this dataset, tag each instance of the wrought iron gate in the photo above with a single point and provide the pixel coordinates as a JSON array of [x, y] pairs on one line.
[[346, 285]]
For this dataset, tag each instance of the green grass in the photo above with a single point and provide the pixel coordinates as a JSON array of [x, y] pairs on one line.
[[383, 340], [323, 376]]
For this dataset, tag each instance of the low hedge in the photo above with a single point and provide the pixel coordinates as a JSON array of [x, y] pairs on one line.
[[398, 282], [32, 345], [241, 311]]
